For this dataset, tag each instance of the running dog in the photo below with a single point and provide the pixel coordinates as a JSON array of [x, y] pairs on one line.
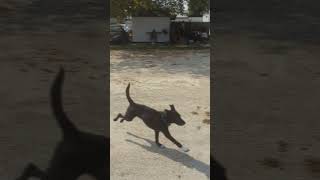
[[159, 121]]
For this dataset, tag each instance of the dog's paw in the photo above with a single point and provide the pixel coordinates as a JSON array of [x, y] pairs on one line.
[[184, 149], [161, 146]]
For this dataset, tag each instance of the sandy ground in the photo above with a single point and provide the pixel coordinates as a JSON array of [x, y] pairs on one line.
[[34, 43], [29, 132], [159, 78], [266, 97], [33, 46]]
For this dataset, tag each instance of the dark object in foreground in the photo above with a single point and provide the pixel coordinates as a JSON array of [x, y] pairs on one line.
[[156, 120], [78, 153], [219, 172]]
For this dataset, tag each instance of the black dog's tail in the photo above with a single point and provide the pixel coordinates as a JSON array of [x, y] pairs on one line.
[[68, 128], [128, 94]]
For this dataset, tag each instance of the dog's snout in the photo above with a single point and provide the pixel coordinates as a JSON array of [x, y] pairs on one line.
[[182, 122]]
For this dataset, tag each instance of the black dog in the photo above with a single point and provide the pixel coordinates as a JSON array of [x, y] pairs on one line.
[[78, 153], [219, 172], [158, 121]]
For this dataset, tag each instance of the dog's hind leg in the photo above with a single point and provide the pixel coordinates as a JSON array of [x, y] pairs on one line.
[[128, 116], [32, 171], [119, 116]]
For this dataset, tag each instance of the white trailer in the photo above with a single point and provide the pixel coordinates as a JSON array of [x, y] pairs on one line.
[[142, 28]]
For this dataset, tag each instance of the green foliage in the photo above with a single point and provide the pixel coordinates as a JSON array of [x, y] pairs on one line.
[[123, 8], [198, 7], [119, 8]]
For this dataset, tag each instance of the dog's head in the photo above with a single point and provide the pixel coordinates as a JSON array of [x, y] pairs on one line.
[[174, 117]]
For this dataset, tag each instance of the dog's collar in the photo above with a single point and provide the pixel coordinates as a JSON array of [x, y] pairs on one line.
[[163, 117]]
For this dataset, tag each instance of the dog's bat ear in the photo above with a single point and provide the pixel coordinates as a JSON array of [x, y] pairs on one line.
[[172, 107]]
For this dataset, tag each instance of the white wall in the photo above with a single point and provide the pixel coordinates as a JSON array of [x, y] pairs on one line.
[[206, 17], [142, 25]]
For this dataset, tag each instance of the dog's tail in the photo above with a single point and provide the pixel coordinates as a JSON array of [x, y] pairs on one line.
[[68, 128], [128, 94]]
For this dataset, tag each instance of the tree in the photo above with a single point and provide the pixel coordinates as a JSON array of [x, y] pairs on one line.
[[123, 8], [198, 7], [119, 8]]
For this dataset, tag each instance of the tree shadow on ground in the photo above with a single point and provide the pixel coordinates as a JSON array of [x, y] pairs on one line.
[[174, 155]]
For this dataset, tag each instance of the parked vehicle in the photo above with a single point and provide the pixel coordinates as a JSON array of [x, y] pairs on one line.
[[118, 35]]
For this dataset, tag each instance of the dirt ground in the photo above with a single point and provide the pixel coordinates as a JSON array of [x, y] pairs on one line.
[[29, 132], [266, 96], [34, 42], [159, 78]]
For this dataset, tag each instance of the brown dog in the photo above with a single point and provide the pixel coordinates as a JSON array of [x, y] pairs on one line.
[[156, 120]]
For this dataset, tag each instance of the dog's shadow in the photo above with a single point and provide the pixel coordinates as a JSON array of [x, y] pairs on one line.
[[174, 155]]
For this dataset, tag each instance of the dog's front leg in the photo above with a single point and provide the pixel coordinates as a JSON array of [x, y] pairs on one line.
[[119, 116], [32, 171], [168, 135], [157, 139]]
